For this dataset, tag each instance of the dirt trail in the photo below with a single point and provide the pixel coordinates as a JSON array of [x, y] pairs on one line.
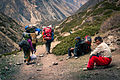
[[43, 69]]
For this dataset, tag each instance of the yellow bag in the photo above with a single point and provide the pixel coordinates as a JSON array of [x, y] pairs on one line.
[[34, 38]]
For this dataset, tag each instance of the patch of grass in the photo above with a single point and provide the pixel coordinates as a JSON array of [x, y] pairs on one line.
[[108, 5], [56, 33], [76, 21], [60, 38], [98, 11], [108, 12], [96, 6]]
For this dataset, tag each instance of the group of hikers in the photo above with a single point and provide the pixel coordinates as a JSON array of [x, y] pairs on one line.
[[82, 46], [29, 40], [101, 56]]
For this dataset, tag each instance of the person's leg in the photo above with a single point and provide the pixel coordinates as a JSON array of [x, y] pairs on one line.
[[27, 56], [34, 46], [31, 46], [75, 52], [48, 45], [98, 60], [70, 51]]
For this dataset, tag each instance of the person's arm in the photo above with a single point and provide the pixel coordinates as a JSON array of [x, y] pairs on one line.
[[97, 50], [72, 48]]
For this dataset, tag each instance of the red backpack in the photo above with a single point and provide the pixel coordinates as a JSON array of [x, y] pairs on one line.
[[88, 39], [47, 33]]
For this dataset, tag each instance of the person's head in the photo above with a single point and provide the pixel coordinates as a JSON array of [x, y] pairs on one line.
[[77, 39], [98, 40]]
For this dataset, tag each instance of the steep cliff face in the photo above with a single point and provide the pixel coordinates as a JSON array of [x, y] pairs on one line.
[[10, 34], [33, 11]]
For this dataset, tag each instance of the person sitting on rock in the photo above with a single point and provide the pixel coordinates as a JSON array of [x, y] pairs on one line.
[[101, 55], [77, 50]]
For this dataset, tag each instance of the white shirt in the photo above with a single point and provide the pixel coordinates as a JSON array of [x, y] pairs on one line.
[[102, 50]]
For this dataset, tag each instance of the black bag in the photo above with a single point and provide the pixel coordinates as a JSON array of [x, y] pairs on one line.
[[24, 44]]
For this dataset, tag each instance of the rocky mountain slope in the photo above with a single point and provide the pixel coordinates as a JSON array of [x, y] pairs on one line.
[[10, 34], [39, 11], [89, 4]]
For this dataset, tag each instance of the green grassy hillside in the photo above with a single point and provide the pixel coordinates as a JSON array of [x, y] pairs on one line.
[[89, 21]]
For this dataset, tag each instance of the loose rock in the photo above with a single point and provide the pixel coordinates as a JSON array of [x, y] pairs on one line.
[[6, 68], [39, 69], [55, 63], [19, 63], [42, 55]]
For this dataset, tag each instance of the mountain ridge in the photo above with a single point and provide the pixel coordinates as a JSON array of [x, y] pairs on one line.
[[39, 11]]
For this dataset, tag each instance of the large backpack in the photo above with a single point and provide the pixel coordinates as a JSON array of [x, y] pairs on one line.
[[24, 44], [87, 44], [26, 35], [33, 37], [47, 33], [88, 39], [30, 29]]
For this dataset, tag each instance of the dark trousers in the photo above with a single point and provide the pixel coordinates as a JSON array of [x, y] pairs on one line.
[[75, 51], [34, 47], [48, 45]]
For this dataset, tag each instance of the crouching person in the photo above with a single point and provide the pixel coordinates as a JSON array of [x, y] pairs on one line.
[[77, 50], [26, 49], [101, 55]]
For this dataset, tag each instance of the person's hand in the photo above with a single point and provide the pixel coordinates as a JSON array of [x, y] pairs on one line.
[[20, 49], [44, 41], [71, 48]]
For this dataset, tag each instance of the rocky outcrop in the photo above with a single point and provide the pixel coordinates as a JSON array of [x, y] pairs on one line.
[[10, 34], [112, 39], [39, 11]]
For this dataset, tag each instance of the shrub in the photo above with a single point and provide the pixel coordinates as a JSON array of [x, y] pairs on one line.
[[107, 12], [98, 11], [60, 38]]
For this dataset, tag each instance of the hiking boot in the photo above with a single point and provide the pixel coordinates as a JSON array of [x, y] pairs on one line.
[[48, 53], [68, 57], [24, 61], [27, 63], [86, 69], [76, 57]]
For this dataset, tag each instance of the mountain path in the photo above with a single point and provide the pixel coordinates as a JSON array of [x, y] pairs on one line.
[[43, 69]]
